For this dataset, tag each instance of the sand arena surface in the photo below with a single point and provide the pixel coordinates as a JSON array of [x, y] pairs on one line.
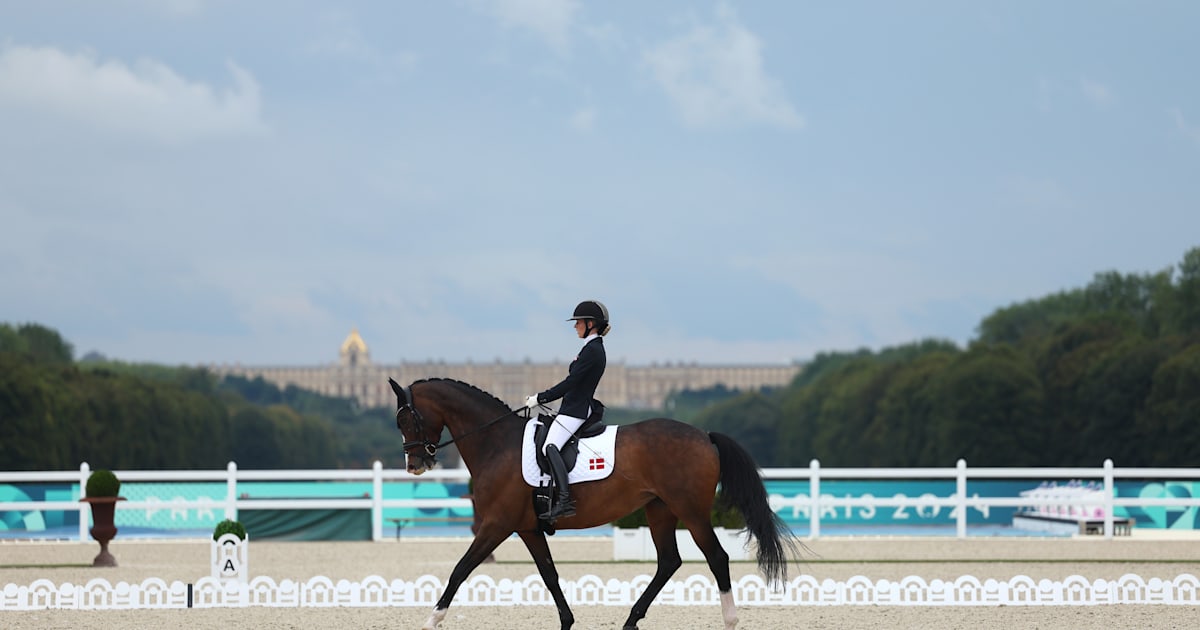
[[1144, 554]]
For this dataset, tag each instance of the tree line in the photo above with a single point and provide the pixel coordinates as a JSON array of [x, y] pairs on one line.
[[1110, 370], [56, 413]]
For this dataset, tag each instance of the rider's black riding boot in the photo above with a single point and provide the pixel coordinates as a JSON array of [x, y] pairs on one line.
[[564, 506]]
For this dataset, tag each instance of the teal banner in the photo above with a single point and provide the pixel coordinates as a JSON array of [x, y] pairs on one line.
[[917, 510], [1162, 517]]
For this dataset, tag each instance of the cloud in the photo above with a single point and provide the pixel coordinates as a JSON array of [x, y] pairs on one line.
[[1187, 129], [714, 74], [584, 119], [763, 309], [1047, 94], [341, 38], [550, 20], [171, 8], [1054, 92], [1039, 192], [1097, 93], [146, 99]]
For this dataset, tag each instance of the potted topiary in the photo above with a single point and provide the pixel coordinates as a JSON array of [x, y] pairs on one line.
[[230, 551], [102, 492], [228, 526]]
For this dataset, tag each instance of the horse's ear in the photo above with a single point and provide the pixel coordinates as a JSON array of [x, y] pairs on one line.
[[401, 397]]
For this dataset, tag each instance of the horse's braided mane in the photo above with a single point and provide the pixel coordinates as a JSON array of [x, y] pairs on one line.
[[466, 385]]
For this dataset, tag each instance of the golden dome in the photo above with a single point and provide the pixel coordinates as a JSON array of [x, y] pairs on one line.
[[354, 350], [354, 343]]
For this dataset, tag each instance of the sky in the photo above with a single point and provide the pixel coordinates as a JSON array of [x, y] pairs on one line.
[[195, 182]]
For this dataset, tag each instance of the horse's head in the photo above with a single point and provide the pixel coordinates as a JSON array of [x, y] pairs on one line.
[[420, 435]]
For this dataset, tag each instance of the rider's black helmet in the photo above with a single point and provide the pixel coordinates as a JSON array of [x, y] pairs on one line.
[[591, 309]]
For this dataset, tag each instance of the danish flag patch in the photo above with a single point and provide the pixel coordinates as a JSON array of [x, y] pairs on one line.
[[596, 463]]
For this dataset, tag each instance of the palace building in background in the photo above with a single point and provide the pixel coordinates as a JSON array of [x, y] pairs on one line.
[[628, 386]]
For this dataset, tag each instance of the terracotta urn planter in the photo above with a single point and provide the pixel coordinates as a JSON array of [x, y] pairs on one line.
[[103, 529]]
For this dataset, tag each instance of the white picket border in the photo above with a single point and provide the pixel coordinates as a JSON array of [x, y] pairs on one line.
[[591, 590]]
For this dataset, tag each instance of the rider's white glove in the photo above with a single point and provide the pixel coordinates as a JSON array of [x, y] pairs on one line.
[[532, 401]]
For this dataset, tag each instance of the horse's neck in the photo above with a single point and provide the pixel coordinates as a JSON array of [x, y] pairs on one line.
[[479, 431], [491, 446], [491, 443]]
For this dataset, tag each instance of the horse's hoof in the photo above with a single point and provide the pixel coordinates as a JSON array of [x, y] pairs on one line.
[[434, 619]]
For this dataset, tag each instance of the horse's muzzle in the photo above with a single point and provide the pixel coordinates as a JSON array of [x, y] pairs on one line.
[[418, 464]]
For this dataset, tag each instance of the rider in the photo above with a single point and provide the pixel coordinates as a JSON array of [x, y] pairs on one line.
[[577, 391]]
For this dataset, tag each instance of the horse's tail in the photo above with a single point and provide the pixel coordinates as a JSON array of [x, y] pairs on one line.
[[742, 488]]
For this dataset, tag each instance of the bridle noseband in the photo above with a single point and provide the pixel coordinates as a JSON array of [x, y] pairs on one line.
[[431, 448]]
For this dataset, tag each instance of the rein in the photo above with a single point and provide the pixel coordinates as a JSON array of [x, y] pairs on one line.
[[431, 448]]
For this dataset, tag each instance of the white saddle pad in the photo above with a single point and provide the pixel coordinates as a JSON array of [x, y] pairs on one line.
[[595, 459]]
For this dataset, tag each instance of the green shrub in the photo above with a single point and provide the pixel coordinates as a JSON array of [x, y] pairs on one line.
[[229, 527], [633, 520], [727, 517], [103, 483]]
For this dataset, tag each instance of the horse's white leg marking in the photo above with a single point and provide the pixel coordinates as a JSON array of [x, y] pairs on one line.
[[434, 619], [728, 611]]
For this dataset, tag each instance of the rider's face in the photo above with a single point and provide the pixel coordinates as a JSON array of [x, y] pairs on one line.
[[581, 327]]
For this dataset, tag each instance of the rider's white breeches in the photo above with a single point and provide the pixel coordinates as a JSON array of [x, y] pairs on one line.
[[561, 430]]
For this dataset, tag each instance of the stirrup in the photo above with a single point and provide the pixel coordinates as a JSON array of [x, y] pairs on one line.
[[559, 510]]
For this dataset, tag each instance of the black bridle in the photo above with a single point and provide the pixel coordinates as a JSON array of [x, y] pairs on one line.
[[431, 447]]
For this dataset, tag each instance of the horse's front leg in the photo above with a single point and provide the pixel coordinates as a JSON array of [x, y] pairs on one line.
[[535, 541], [484, 544]]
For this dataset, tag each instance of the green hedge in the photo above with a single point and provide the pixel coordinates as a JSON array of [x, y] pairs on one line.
[[727, 517]]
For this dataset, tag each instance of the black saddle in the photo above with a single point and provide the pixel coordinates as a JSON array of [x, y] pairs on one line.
[[570, 451]]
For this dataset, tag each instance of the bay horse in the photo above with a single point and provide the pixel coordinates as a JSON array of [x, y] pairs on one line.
[[669, 467]]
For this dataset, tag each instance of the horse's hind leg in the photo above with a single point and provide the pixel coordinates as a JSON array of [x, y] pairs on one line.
[[718, 563], [662, 529], [535, 541]]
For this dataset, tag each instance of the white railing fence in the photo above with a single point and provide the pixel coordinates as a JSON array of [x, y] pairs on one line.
[[1106, 500], [814, 504]]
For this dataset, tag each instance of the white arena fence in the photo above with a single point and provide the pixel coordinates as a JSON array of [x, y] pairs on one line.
[[815, 505], [590, 590]]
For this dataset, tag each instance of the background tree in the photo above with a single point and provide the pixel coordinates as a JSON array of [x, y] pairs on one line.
[[38, 343], [1184, 315], [989, 410], [752, 419], [902, 418], [1111, 369], [1172, 409], [1112, 395]]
